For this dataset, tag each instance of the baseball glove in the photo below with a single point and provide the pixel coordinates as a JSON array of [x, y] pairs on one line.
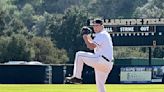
[[86, 30]]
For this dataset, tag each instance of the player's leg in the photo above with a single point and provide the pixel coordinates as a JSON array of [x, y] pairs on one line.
[[100, 80], [81, 58], [101, 73]]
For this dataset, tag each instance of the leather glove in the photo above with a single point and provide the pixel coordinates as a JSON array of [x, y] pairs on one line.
[[86, 30]]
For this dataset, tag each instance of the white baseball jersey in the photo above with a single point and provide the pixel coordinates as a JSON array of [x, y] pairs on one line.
[[104, 45]]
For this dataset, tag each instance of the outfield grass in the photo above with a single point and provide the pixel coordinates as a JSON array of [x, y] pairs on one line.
[[79, 88]]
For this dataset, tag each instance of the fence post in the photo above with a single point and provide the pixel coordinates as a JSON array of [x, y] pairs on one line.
[[48, 79]]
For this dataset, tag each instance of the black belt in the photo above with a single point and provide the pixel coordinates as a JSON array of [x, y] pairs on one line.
[[105, 58]]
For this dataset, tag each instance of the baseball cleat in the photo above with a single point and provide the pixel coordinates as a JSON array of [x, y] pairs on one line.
[[73, 80]]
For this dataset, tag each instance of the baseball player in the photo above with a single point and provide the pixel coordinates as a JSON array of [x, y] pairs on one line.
[[100, 60]]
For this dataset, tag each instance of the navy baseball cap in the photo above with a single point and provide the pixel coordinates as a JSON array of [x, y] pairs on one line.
[[97, 21]]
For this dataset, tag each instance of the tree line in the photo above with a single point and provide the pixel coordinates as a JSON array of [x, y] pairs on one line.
[[49, 30]]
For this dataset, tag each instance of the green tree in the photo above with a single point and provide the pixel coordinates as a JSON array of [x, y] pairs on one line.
[[42, 24], [18, 48], [15, 26], [158, 52], [115, 8], [59, 6], [11, 22], [67, 31], [14, 48], [27, 14], [4, 41], [46, 52], [37, 4], [152, 9], [126, 52], [7, 13]]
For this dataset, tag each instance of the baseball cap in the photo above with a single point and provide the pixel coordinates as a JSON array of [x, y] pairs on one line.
[[97, 21]]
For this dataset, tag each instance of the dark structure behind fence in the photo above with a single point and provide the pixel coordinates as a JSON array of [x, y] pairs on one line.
[[55, 74], [22, 74]]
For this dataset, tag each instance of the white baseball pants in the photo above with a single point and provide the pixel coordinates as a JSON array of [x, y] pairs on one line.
[[101, 66]]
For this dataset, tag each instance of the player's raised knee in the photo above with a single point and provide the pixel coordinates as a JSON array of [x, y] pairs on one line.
[[80, 53]]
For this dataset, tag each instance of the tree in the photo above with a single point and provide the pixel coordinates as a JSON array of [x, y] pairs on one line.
[[42, 23], [7, 13], [46, 52], [27, 15], [67, 31], [59, 6], [14, 48], [4, 41], [126, 52], [152, 9], [115, 8], [158, 52], [15, 26], [37, 4], [19, 48]]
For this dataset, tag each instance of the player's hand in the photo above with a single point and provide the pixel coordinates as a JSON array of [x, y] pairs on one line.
[[85, 36], [86, 30]]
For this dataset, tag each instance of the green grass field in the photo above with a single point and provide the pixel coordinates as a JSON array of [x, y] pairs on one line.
[[80, 88]]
